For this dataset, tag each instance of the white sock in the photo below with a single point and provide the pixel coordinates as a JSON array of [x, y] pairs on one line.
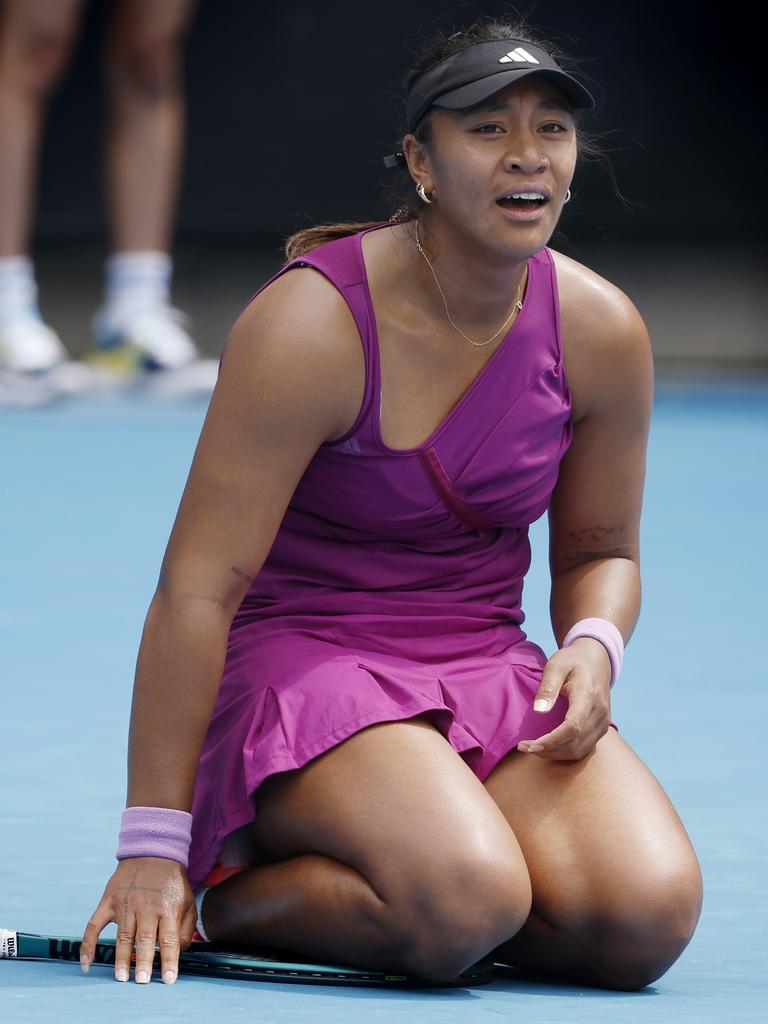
[[199, 896], [18, 288], [135, 280]]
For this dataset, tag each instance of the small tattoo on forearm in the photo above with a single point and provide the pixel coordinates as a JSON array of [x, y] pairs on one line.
[[241, 575], [595, 533], [599, 535]]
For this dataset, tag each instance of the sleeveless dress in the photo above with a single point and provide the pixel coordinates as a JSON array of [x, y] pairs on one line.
[[393, 587]]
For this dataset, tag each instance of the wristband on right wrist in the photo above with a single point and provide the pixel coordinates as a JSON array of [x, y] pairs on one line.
[[155, 832], [608, 635]]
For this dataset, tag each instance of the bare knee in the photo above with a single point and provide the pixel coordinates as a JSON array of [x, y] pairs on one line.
[[633, 941], [146, 68], [39, 57], [472, 906], [628, 955]]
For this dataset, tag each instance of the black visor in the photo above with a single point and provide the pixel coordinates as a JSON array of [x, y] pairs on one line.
[[477, 72]]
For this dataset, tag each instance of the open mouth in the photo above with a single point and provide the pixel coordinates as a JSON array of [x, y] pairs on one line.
[[523, 201]]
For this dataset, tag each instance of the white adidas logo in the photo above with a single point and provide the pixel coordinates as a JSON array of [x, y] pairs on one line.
[[518, 54]]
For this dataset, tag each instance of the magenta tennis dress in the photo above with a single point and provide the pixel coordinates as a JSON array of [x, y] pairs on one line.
[[394, 584]]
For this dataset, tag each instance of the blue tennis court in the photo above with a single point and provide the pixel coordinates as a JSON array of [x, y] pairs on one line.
[[90, 491]]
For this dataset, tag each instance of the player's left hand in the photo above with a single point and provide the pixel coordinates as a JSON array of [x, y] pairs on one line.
[[582, 672]]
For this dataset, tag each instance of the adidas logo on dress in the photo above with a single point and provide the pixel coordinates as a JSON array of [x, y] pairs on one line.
[[518, 55]]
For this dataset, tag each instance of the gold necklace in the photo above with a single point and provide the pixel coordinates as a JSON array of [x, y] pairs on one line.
[[515, 308]]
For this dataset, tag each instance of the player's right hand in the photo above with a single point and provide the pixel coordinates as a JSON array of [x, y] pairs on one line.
[[150, 900]]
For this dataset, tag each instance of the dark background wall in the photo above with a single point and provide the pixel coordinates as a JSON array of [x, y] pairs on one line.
[[292, 106]]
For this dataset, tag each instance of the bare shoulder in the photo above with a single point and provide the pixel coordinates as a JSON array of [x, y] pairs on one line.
[[299, 337], [302, 310], [605, 340], [284, 387]]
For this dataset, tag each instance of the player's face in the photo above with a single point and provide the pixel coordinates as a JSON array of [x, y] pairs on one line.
[[520, 140]]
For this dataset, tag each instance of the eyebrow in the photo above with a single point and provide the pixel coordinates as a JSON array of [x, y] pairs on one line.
[[543, 104]]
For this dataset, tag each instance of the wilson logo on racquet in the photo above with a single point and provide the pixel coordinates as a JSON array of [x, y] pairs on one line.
[[8, 947]]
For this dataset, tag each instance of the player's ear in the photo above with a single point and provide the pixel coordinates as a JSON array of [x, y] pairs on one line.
[[417, 160]]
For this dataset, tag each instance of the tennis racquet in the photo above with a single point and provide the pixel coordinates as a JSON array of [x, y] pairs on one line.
[[207, 959]]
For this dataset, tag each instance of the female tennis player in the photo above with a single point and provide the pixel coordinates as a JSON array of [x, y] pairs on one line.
[[342, 742]]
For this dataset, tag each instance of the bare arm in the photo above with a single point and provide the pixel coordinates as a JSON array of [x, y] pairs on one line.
[[594, 516], [290, 379], [280, 394]]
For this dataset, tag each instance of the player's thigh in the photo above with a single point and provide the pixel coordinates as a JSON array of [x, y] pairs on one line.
[[601, 838], [398, 803]]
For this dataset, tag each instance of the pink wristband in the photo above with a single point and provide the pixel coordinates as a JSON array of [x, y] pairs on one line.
[[608, 635], [155, 832]]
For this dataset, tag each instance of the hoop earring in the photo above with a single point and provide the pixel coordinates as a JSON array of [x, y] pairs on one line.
[[422, 194], [567, 197]]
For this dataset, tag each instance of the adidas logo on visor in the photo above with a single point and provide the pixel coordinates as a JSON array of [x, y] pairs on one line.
[[518, 55]]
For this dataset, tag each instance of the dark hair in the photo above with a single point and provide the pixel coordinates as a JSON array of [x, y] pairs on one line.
[[400, 194]]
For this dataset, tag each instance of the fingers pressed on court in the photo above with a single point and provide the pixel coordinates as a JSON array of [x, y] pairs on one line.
[[188, 924], [126, 930], [101, 917], [168, 934], [146, 937]]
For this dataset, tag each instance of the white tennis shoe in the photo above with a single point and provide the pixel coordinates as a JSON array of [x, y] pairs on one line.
[[27, 345], [152, 347], [35, 368], [157, 335]]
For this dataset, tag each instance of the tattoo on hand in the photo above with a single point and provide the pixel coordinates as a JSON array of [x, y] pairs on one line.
[[132, 887]]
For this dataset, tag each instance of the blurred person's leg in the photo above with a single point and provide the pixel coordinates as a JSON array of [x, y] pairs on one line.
[[36, 41], [144, 74]]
